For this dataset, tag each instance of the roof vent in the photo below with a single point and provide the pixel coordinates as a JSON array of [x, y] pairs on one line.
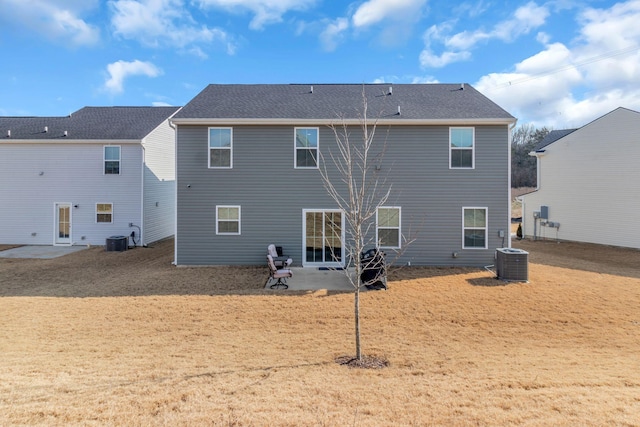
[[461, 86], [8, 133], [311, 90], [46, 129], [398, 110], [66, 133], [390, 90]]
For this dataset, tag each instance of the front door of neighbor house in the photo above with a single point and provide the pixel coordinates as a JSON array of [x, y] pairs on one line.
[[323, 238], [62, 226]]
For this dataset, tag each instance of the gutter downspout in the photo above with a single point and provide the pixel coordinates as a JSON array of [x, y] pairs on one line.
[[537, 154], [508, 229], [142, 236], [175, 210]]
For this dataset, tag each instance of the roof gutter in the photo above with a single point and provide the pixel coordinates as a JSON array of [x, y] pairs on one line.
[[329, 122], [70, 141], [537, 153]]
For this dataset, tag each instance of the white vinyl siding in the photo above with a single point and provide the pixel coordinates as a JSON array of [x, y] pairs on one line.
[[73, 173], [159, 174]]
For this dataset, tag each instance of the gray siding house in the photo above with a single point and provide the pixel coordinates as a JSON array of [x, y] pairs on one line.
[[79, 179], [247, 172]]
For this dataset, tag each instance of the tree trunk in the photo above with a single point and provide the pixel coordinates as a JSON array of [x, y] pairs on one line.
[[357, 317]]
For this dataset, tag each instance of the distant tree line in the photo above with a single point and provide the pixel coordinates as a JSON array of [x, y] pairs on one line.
[[524, 139]]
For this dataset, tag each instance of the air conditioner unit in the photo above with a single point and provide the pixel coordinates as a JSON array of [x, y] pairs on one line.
[[512, 264], [116, 244]]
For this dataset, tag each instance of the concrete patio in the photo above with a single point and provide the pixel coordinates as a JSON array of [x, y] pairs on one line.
[[312, 279], [40, 251]]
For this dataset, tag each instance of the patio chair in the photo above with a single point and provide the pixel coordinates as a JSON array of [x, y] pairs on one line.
[[280, 261], [280, 275]]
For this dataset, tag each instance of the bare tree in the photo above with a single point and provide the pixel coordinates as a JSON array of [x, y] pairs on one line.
[[524, 139], [353, 179]]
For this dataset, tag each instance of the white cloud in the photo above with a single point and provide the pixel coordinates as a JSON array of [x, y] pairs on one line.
[[120, 70], [57, 20], [565, 86], [265, 11], [333, 33], [395, 19], [374, 11], [431, 60], [525, 19], [458, 46], [403, 79], [554, 57], [158, 23], [541, 87], [612, 36], [424, 80]]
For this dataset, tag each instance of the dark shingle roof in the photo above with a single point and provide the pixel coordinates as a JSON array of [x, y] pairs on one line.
[[330, 101], [552, 137], [88, 123]]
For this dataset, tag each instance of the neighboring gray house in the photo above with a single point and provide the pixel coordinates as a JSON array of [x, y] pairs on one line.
[[79, 179], [247, 172], [588, 181]]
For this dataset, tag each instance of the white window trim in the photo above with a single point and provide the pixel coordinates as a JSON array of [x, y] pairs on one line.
[[485, 228], [473, 147], [306, 263], [399, 227], [295, 148], [104, 159], [96, 217], [220, 148], [218, 232]]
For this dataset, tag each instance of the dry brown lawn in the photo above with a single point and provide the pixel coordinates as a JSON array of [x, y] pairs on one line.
[[107, 338]]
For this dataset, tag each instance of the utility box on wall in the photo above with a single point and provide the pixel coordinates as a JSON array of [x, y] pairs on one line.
[[544, 212], [512, 264], [116, 244]]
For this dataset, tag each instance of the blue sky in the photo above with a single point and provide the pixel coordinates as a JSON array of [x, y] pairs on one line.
[[559, 64]]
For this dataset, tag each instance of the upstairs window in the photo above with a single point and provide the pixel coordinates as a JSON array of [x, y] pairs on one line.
[[104, 213], [306, 148], [388, 227], [112, 160], [461, 148], [220, 148], [474, 228], [227, 219]]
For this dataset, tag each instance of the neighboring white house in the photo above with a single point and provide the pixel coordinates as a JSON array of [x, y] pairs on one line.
[[82, 178], [589, 184]]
